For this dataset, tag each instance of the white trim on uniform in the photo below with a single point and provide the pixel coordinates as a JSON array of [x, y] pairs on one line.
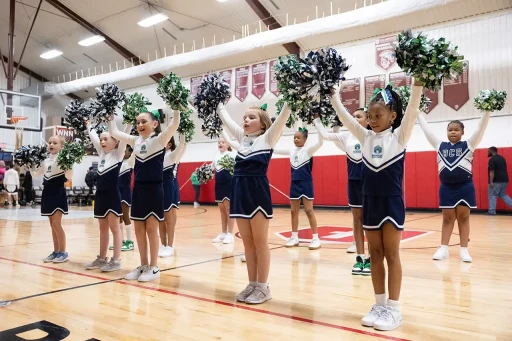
[[379, 226], [355, 206], [458, 203], [250, 216], [108, 211], [127, 204], [146, 217], [303, 196], [223, 199], [55, 210]]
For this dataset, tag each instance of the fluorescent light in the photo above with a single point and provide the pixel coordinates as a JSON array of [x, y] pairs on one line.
[[51, 54], [91, 41], [153, 20]]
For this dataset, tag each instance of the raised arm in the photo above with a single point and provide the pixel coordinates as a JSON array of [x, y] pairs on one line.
[[315, 147], [177, 154], [475, 139], [281, 151], [122, 145], [411, 114], [348, 120], [229, 124], [233, 144], [335, 137], [38, 171], [276, 129], [166, 135], [124, 137], [429, 134], [95, 139], [340, 145]]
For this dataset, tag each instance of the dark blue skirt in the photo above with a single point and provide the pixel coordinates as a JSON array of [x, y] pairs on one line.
[[301, 189], [167, 195], [222, 191], [126, 196], [452, 195], [380, 209], [147, 201], [54, 199], [107, 201], [355, 193], [175, 195], [250, 195]]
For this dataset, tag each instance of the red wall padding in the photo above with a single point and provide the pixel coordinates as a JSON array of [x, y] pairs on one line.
[[421, 180]]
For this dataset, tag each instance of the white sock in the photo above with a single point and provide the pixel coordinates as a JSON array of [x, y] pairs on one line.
[[121, 228], [129, 232], [394, 304], [463, 248], [262, 285], [254, 284], [380, 299], [315, 235], [444, 247], [295, 235]]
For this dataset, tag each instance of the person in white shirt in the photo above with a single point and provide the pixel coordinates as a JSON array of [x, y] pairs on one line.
[[12, 184]]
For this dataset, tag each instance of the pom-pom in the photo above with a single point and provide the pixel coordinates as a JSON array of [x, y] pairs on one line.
[[204, 174], [187, 126], [490, 100], [290, 82], [213, 90], [228, 163], [173, 92], [293, 116], [100, 129], [30, 156], [108, 98], [405, 94], [76, 117], [133, 106], [428, 60], [134, 131], [70, 154]]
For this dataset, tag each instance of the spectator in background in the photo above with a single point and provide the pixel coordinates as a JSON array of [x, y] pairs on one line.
[[12, 184], [197, 188], [498, 180], [90, 179], [28, 188]]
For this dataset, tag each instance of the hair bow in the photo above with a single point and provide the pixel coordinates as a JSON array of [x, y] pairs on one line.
[[303, 130], [386, 94], [156, 113], [264, 107]]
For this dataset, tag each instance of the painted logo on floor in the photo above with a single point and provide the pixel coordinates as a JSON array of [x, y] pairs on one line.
[[342, 234]]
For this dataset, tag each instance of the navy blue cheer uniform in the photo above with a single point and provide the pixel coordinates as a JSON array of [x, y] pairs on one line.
[[349, 144], [125, 180], [107, 197], [171, 185], [223, 178], [455, 164], [54, 196], [301, 160], [250, 192], [148, 191], [383, 158]]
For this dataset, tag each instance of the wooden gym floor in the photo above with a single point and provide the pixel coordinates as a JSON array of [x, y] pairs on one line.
[[315, 297]]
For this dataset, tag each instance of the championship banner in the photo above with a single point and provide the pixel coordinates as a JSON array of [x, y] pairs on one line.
[[385, 52], [241, 80], [350, 92], [371, 83], [273, 81], [456, 91], [259, 79], [67, 133]]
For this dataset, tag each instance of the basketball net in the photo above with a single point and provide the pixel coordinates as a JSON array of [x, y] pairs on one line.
[[18, 130]]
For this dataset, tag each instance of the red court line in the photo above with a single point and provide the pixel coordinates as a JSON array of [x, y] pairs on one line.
[[226, 304]]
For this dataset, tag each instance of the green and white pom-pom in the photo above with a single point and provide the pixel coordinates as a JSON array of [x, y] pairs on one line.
[[133, 106], [490, 100], [293, 116], [428, 60], [173, 92], [405, 94], [228, 163], [187, 126], [204, 174], [70, 154]]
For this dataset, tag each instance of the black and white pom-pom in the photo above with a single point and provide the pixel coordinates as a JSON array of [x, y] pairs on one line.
[[77, 114], [204, 174], [30, 156], [490, 100], [70, 154], [134, 131], [291, 83], [213, 90], [108, 98], [100, 129], [293, 116], [173, 92]]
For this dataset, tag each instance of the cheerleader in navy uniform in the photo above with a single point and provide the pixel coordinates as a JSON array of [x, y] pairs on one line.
[[172, 159], [383, 206], [251, 203], [223, 181], [349, 144], [107, 205], [125, 180], [301, 185], [457, 191], [54, 202], [147, 197]]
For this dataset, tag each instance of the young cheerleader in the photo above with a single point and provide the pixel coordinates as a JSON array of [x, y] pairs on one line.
[[147, 198], [383, 150], [172, 159], [251, 203], [124, 180], [301, 186], [54, 202], [223, 181], [349, 144], [107, 206], [457, 191]]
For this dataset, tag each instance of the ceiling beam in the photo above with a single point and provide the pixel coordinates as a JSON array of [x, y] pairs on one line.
[[108, 40], [271, 22]]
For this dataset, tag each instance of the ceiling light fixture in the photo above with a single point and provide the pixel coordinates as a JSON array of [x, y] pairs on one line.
[[51, 54], [91, 40], [158, 18]]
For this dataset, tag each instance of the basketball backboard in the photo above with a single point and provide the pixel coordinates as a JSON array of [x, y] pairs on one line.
[[20, 106]]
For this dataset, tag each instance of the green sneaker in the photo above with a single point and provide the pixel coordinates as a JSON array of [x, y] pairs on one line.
[[111, 247], [124, 246], [129, 245], [367, 268], [357, 269]]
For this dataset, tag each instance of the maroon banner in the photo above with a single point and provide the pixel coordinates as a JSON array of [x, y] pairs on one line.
[[226, 76], [67, 133], [399, 79], [273, 82], [350, 93], [259, 79], [434, 97], [385, 52], [241, 79], [371, 83], [195, 82], [456, 91]]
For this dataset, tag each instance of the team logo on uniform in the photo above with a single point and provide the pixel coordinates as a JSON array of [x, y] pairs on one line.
[[296, 159], [377, 152], [357, 148], [49, 169], [102, 164], [143, 149]]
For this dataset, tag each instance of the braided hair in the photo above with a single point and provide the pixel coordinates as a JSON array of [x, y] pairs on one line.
[[394, 104]]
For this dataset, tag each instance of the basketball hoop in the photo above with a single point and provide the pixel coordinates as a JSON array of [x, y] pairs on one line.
[[16, 119], [18, 130]]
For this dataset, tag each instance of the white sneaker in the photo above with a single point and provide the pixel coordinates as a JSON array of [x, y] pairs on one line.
[[441, 253], [161, 249], [352, 248], [372, 316], [149, 274], [242, 258], [464, 256], [219, 238], [135, 274], [259, 295], [315, 244], [228, 239], [167, 252], [390, 319], [196, 205], [293, 241]]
